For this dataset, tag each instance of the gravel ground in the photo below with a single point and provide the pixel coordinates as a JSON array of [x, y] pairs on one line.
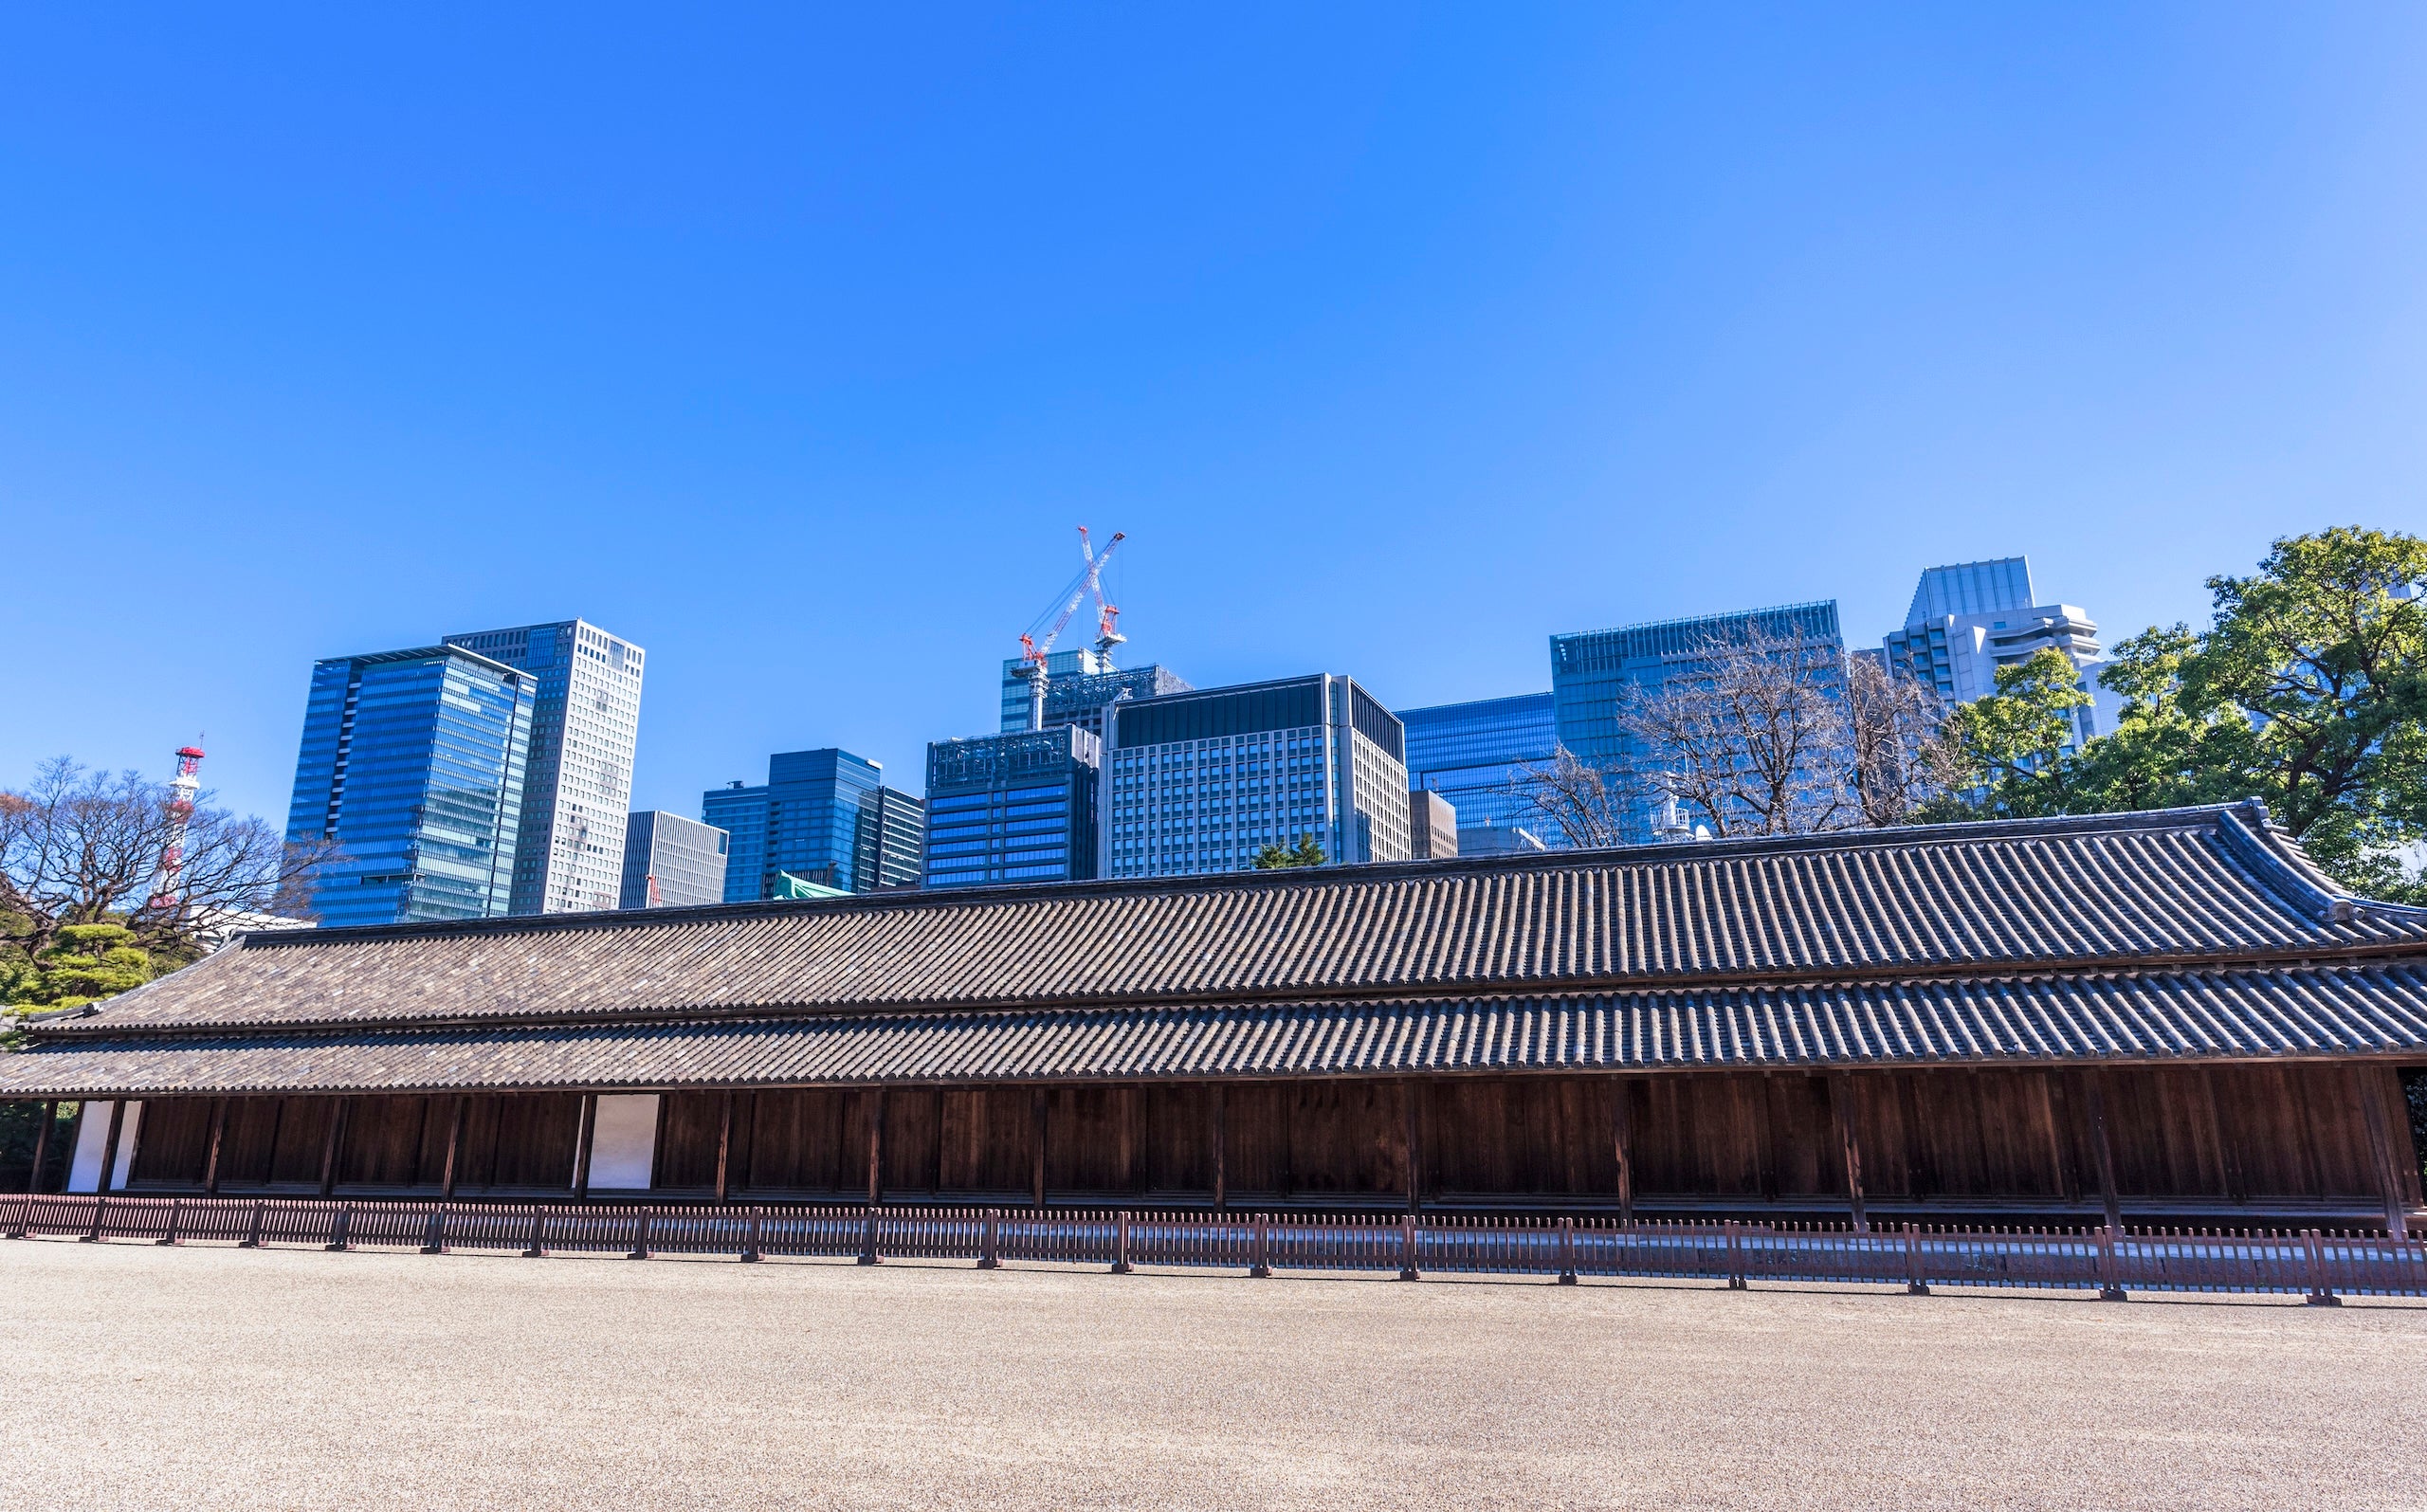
[[217, 1377]]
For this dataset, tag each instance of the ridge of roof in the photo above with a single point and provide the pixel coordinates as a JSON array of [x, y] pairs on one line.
[[2304, 886]]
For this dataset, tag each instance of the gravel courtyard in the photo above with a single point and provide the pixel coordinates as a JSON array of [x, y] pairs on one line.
[[216, 1377]]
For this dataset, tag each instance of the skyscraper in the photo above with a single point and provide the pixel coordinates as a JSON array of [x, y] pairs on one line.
[[1473, 755], [1432, 825], [1198, 782], [1595, 672], [824, 816], [412, 763], [585, 723], [1972, 618], [1019, 807], [1078, 685], [681, 860]]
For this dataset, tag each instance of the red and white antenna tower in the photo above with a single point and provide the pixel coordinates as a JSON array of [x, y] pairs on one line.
[[183, 787]]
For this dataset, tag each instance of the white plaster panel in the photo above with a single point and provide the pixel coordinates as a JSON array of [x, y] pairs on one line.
[[92, 1134], [623, 1148]]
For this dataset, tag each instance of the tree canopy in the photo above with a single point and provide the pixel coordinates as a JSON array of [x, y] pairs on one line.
[[82, 909], [2307, 690], [1277, 858]]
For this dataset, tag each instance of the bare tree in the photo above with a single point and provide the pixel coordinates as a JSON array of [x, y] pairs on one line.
[[1751, 740], [84, 848], [1898, 756], [1577, 802]]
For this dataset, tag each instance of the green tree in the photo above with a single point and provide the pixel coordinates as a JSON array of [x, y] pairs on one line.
[[2309, 691], [1305, 854], [2013, 742], [88, 963], [2322, 655]]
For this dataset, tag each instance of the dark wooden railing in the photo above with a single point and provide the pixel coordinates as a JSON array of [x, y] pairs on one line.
[[2114, 1261]]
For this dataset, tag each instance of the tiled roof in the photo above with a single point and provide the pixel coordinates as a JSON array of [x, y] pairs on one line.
[[2179, 887], [2281, 1013]]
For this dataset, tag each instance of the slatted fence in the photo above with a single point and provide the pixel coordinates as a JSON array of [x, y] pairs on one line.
[[2318, 1264]]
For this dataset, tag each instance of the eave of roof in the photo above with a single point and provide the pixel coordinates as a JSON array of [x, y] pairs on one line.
[[2326, 1012]]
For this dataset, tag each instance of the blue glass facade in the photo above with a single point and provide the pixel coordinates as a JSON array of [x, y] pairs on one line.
[[1595, 672], [413, 763], [1012, 808], [585, 726], [825, 816], [1472, 754]]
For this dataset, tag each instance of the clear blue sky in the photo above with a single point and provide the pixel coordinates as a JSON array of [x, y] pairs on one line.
[[792, 346]]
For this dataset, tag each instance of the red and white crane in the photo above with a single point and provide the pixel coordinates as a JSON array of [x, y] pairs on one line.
[[1036, 642]]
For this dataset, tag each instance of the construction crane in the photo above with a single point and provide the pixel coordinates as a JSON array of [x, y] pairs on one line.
[[1036, 642], [183, 790]]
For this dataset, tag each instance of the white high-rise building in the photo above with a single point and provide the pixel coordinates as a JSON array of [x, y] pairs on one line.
[[1199, 782], [1972, 618], [578, 787]]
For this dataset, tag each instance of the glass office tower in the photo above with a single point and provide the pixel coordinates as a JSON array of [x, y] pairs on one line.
[[1473, 755], [681, 861], [1199, 782], [824, 816], [1012, 808], [413, 763], [1595, 672], [1972, 618], [585, 723]]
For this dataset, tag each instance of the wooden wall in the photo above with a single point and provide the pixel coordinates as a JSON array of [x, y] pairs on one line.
[[2224, 1135], [513, 1142]]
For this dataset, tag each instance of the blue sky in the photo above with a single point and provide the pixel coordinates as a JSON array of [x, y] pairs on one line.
[[793, 345]]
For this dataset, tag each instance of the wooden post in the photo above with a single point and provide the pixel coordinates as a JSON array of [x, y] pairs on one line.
[[1415, 1152], [1624, 1125], [2095, 1104], [725, 1151], [218, 1133], [2056, 1116], [1120, 1251], [109, 1147], [2321, 1290], [2367, 1082], [2228, 1158], [1567, 1251], [876, 1149], [41, 1146], [1036, 1117], [1221, 1149], [1842, 1102], [330, 1143], [454, 1143], [582, 1146]]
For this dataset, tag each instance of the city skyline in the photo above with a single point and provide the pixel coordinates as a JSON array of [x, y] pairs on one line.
[[1488, 804], [1570, 319]]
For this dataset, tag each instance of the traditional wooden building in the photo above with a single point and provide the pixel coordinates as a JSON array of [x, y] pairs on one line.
[[2173, 1014]]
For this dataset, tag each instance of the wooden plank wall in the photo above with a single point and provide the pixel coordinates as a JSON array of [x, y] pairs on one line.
[[2228, 1133], [511, 1142]]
